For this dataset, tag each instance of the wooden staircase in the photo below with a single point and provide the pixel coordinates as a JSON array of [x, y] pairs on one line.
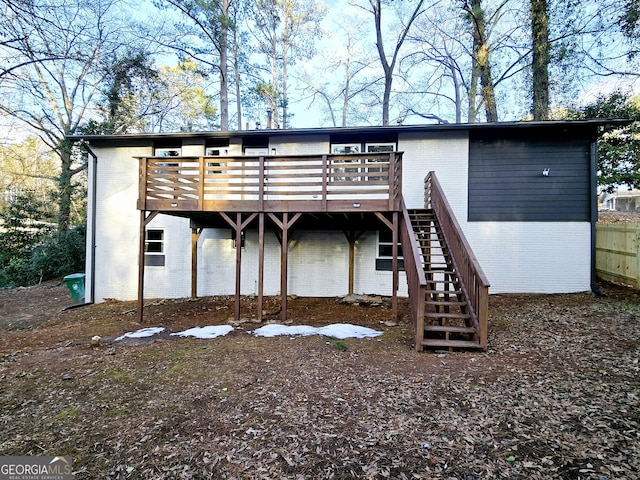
[[448, 314]]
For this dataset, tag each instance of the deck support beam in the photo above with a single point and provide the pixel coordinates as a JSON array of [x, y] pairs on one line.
[[393, 224], [352, 238], [285, 224], [238, 225], [260, 306], [195, 235], [144, 221]]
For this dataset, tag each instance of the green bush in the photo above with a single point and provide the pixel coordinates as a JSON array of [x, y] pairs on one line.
[[58, 255]]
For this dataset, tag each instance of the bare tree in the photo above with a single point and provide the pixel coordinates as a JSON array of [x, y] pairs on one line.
[[206, 39], [541, 58], [389, 65], [285, 31], [338, 93], [56, 49]]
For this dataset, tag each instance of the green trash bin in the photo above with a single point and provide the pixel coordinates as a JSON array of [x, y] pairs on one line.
[[75, 284]]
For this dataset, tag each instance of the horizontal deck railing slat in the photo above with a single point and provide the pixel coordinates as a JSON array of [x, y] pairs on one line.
[[357, 182]]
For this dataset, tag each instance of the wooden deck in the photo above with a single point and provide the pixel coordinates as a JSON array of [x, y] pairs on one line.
[[369, 182], [246, 192]]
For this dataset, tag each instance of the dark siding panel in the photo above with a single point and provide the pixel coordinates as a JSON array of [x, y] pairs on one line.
[[506, 181]]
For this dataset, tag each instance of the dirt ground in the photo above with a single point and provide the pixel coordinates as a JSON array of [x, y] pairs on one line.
[[555, 396]]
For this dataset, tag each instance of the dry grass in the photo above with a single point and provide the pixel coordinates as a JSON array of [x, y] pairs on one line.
[[556, 396]]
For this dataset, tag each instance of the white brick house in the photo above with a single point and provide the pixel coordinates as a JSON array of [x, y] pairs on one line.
[[524, 195]]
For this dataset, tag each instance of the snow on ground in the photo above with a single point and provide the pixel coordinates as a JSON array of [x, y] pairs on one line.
[[143, 332], [211, 331], [336, 330]]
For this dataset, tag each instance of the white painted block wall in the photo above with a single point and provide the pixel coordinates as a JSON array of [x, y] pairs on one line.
[[517, 257], [530, 257]]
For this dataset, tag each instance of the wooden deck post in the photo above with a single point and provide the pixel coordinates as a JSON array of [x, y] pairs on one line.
[[195, 235], [284, 264], [141, 266], [144, 220], [260, 265], [394, 266], [352, 238], [238, 263], [285, 224], [393, 225], [238, 225]]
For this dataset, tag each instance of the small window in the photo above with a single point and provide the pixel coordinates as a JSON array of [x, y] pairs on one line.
[[345, 174], [256, 151], [217, 151], [344, 148], [167, 151], [381, 171], [384, 257], [154, 248]]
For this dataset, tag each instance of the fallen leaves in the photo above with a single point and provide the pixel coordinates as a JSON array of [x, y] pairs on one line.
[[556, 396]]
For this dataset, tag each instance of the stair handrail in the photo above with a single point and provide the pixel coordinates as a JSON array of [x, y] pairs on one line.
[[474, 283], [414, 270]]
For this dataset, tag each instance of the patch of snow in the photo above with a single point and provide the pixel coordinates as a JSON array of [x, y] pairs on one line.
[[346, 330], [336, 330], [211, 331], [143, 332], [276, 329]]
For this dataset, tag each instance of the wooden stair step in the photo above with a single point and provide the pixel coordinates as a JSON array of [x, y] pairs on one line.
[[435, 342], [464, 316], [444, 292], [445, 303], [448, 328]]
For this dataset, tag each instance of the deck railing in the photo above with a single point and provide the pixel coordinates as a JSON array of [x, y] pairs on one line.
[[475, 285], [414, 270], [352, 182]]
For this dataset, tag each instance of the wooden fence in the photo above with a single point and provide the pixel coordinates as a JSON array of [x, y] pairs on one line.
[[618, 253]]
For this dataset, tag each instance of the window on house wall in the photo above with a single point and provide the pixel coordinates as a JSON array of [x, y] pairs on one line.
[[383, 171], [345, 149], [216, 151], [154, 255], [384, 257], [368, 147], [256, 151], [167, 151]]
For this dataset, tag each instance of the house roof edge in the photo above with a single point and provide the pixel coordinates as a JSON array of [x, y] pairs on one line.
[[603, 124]]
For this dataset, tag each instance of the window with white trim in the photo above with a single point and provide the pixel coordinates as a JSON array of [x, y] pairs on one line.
[[154, 255], [378, 148], [384, 254], [167, 151], [368, 147], [346, 149], [216, 151]]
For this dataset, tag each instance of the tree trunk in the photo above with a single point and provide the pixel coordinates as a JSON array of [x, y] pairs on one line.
[[274, 77], [386, 66], [285, 119], [224, 67], [236, 72], [65, 188], [541, 59], [481, 59], [472, 115]]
